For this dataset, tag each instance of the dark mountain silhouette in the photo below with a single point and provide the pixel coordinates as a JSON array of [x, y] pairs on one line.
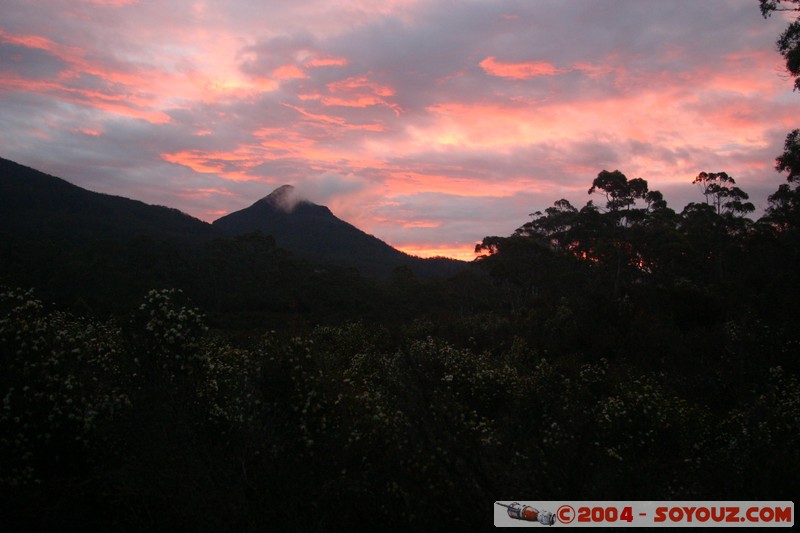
[[92, 251], [313, 231], [36, 205]]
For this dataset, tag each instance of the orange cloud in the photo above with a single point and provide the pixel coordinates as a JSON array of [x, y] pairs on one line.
[[334, 120], [408, 223], [64, 52], [123, 95], [402, 181], [359, 91], [485, 126], [296, 65], [288, 72], [130, 106], [519, 71], [232, 166], [325, 61]]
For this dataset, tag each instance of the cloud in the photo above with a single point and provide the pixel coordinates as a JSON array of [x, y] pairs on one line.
[[425, 125], [519, 71], [286, 58], [23, 63], [111, 3]]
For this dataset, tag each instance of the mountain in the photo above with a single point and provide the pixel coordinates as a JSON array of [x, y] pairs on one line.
[[91, 251], [44, 219], [36, 205], [99, 254], [314, 232]]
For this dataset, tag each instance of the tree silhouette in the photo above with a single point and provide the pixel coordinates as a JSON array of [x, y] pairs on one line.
[[552, 226], [784, 209], [719, 190], [789, 42], [784, 205], [619, 191], [789, 160]]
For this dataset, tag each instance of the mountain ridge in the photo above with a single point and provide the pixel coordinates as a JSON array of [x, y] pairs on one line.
[[38, 205]]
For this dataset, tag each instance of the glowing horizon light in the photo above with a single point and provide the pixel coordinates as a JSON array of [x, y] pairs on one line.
[[465, 252]]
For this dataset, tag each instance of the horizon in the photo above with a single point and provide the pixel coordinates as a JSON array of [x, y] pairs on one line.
[[293, 196], [426, 126]]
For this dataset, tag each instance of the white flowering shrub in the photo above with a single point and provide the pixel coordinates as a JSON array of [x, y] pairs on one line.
[[229, 386], [60, 381], [423, 418], [294, 392], [559, 428], [763, 432], [167, 332], [372, 427], [635, 417], [588, 425], [652, 435]]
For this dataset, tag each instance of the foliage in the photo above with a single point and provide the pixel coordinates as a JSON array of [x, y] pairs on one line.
[[719, 190], [620, 192], [789, 42], [789, 160], [61, 382], [167, 333]]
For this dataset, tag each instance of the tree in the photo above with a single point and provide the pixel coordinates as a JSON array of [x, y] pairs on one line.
[[719, 190], [789, 160], [553, 225], [713, 228], [784, 208], [621, 193], [784, 205], [655, 200], [789, 42]]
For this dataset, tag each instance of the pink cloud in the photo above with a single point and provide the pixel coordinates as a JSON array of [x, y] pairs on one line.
[[231, 166], [116, 104], [122, 93], [325, 61], [339, 122], [204, 193], [356, 91], [67, 53], [90, 132], [519, 71], [288, 72], [409, 223]]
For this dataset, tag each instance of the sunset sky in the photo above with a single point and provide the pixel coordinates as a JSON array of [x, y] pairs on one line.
[[429, 124]]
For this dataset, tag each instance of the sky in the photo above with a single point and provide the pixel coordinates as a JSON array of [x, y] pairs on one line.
[[427, 123]]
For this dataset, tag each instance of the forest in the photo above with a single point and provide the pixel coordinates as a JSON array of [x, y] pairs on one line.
[[622, 350]]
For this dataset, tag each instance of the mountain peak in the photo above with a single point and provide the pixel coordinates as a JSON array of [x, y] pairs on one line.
[[284, 198], [281, 192]]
